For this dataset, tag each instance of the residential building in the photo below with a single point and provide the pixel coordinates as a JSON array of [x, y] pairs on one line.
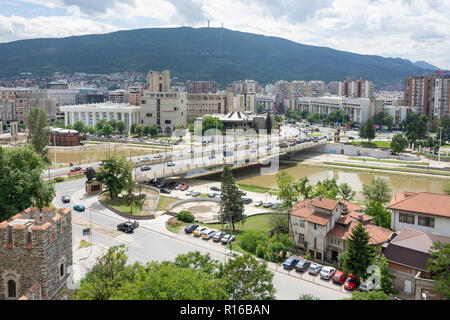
[[356, 89], [7, 104], [246, 86], [315, 88], [201, 87], [429, 94], [265, 101], [407, 255], [399, 113], [35, 254], [423, 211], [322, 227], [201, 104], [135, 94], [64, 97], [298, 89], [91, 113], [359, 110]]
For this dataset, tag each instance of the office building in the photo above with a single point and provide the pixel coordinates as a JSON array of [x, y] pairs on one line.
[[201, 87]]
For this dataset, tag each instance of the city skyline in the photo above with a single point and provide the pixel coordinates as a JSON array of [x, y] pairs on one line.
[[414, 30]]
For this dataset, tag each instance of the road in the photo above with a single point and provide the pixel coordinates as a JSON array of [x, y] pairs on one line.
[[153, 242]]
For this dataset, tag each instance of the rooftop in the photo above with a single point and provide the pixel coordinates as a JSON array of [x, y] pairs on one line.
[[421, 202]]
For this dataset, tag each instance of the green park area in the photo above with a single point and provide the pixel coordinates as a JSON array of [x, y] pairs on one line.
[[372, 144]]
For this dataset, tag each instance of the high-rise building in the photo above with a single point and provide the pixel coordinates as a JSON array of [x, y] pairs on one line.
[[316, 88], [201, 87], [356, 89], [429, 94], [246, 86], [159, 81]]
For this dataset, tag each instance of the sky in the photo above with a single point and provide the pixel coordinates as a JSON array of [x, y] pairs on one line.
[[410, 29]]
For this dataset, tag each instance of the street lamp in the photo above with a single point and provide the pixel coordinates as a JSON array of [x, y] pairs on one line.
[[440, 139]]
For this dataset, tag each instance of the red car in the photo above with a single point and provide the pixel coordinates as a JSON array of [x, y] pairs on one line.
[[350, 283], [184, 187], [339, 277]]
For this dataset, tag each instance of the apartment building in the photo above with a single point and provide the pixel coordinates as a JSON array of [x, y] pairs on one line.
[[245, 86], [356, 89], [201, 87], [423, 211], [298, 89], [266, 101], [205, 103], [64, 97], [429, 94], [315, 88], [359, 110], [135, 94], [322, 227]]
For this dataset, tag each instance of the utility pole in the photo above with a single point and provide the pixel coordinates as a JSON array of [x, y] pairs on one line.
[[440, 141]]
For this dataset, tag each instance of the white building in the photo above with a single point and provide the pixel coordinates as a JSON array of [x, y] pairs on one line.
[[357, 109], [64, 97], [90, 114]]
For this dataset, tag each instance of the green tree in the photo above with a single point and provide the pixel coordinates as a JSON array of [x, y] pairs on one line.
[[231, 203], [386, 283], [99, 125], [251, 238], [139, 130], [247, 279], [439, 267], [367, 130], [444, 133], [307, 297], [146, 130], [345, 192], [185, 216], [268, 124], [378, 190], [196, 260], [399, 143], [113, 124], [153, 130], [21, 183], [416, 127], [79, 126], [279, 223], [58, 123], [359, 254], [371, 295], [211, 123], [327, 188], [306, 191], [133, 127], [39, 131], [115, 173], [121, 126], [288, 193], [107, 129], [91, 130], [380, 213]]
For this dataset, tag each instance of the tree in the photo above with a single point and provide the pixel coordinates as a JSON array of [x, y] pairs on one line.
[[268, 123], [196, 260], [447, 188], [327, 188], [133, 127], [121, 126], [288, 193], [307, 297], [359, 254], [345, 192], [443, 122], [139, 130], [439, 267], [279, 223], [58, 124], [211, 123], [378, 190], [153, 131], [371, 295], [146, 130], [399, 143], [185, 216], [416, 127], [79, 126], [380, 213], [247, 279], [386, 283], [107, 129], [304, 190], [113, 124], [367, 130], [38, 131], [99, 125], [21, 183], [91, 129], [115, 173], [231, 203]]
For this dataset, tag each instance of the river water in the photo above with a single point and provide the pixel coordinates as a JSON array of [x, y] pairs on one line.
[[355, 179]]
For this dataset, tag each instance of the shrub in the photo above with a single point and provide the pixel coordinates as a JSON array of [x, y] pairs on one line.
[[251, 238], [59, 179], [174, 223], [185, 216]]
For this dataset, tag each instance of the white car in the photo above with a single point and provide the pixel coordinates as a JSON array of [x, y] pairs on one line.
[[366, 286], [327, 272], [314, 269]]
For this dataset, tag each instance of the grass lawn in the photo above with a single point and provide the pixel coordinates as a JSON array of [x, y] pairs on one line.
[[84, 244], [258, 189], [390, 161], [165, 202], [372, 144], [120, 204]]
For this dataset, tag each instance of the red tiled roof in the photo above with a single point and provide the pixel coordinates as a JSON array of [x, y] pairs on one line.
[[377, 235], [422, 202], [327, 204], [305, 210]]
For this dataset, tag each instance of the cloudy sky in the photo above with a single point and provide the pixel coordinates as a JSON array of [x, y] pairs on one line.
[[411, 29]]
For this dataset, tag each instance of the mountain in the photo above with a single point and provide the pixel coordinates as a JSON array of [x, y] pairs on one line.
[[425, 65], [198, 54]]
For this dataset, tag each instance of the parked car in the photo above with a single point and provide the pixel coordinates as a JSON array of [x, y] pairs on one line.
[[350, 138], [292, 143], [172, 185], [146, 168], [198, 231], [190, 228], [127, 227], [178, 186], [165, 190], [366, 286], [65, 199], [267, 204], [208, 234], [290, 263], [144, 159], [189, 192], [157, 156], [247, 200], [302, 265], [218, 235], [283, 145], [314, 269], [327, 272], [258, 203], [315, 139], [212, 195], [276, 205], [339, 277], [170, 164], [75, 169], [214, 188], [195, 193], [350, 283], [184, 187], [227, 238], [79, 207]]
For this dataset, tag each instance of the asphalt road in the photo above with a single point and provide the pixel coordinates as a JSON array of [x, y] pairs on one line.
[[148, 244]]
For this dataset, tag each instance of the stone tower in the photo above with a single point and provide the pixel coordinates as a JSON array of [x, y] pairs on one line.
[[35, 254]]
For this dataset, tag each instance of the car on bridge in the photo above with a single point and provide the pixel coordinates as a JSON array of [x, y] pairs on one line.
[[146, 168], [170, 164]]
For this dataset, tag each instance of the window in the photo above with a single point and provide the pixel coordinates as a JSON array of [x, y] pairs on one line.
[[315, 242], [301, 238], [143, 102], [315, 226], [61, 270], [148, 115], [12, 289], [406, 218], [426, 221], [302, 223], [168, 121]]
